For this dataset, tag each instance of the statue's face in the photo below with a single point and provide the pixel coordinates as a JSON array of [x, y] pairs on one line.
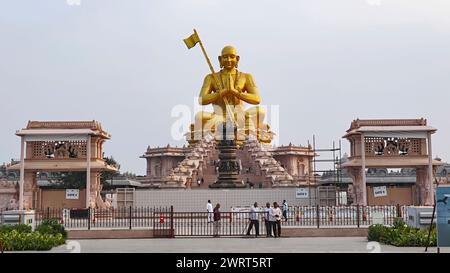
[[229, 59]]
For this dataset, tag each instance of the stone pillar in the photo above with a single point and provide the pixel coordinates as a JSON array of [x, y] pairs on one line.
[[363, 171], [29, 187], [165, 166], [301, 169], [228, 164], [292, 163], [88, 172], [429, 190], [424, 189], [94, 190], [358, 190], [22, 173], [149, 167]]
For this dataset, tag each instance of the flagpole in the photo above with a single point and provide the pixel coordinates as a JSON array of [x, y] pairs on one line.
[[218, 83], [207, 58]]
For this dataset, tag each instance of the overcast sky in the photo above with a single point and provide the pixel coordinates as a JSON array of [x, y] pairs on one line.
[[123, 63]]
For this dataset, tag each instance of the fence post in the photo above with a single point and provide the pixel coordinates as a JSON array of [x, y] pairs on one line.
[[172, 233], [48, 213], [153, 218], [192, 223], [89, 218], [357, 215], [130, 215], [318, 215], [231, 216], [399, 211]]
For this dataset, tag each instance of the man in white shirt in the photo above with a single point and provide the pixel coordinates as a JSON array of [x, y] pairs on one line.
[[209, 209], [254, 220], [275, 219]]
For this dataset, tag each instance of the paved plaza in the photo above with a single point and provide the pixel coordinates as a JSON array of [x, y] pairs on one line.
[[237, 245]]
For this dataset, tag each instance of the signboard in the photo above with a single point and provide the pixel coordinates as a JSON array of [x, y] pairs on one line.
[[72, 194], [379, 191], [443, 216], [302, 193]]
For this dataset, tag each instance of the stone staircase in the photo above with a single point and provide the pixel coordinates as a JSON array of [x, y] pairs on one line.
[[265, 165], [193, 163], [258, 167]]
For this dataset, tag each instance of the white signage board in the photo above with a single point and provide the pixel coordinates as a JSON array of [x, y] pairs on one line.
[[72, 194], [302, 193], [379, 191]]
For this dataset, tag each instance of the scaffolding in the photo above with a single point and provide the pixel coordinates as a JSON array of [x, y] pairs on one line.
[[329, 193]]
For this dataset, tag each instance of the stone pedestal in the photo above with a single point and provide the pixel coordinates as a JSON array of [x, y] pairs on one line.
[[228, 165]]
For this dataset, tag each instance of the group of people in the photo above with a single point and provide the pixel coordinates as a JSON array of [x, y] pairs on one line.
[[200, 181], [271, 215]]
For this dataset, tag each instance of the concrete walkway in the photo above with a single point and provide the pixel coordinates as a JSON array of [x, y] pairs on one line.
[[236, 245]]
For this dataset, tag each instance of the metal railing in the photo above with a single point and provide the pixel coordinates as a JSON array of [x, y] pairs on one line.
[[328, 216], [165, 222]]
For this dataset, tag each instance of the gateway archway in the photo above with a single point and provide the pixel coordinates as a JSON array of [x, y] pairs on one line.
[[391, 143], [61, 146]]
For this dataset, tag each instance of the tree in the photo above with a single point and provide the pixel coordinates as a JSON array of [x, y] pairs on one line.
[[73, 180], [109, 175], [77, 180]]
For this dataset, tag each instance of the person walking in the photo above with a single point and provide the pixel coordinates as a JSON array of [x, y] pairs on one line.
[[216, 220], [253, 220], [266, 220], [276, 219], [285, 210], [209, 209]]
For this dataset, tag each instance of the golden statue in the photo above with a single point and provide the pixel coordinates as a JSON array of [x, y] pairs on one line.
[[226, 91]]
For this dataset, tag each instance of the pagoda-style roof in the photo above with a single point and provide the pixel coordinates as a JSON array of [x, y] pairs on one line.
[[390, 127], [63, 128], [357, 123]]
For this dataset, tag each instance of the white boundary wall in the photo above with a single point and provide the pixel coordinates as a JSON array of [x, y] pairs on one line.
[[195, 200]]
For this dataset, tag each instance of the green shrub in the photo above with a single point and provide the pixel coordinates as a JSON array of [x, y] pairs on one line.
[[401, 235], [22, 228], [375, 232], [16, 241], [399, 223], [52, 227], [20, 237]]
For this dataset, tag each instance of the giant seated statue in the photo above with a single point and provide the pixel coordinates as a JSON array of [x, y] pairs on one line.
[[226, 91]]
